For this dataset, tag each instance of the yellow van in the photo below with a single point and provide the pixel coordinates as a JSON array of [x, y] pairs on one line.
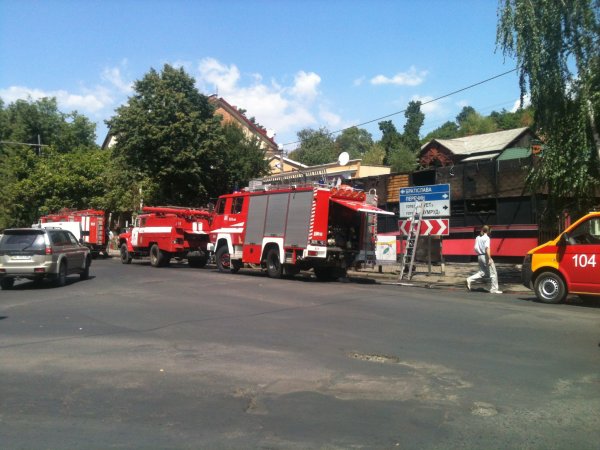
[[569, 264]]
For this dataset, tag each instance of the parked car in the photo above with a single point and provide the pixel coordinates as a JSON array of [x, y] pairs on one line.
[[41, 253]]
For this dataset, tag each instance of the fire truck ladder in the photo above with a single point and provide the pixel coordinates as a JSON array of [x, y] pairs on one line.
[[410, 249]]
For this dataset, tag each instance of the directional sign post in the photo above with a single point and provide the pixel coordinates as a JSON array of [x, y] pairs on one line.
[[435, 198]]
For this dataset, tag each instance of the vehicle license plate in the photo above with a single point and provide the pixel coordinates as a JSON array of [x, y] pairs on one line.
[[21, 257]]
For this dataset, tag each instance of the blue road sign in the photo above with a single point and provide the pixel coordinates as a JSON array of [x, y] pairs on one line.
[[434, 198]]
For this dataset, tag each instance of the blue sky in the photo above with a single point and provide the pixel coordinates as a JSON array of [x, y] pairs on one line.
[[291, 64]]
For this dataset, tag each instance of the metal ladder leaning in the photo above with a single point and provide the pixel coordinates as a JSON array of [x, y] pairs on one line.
[[410, 249]]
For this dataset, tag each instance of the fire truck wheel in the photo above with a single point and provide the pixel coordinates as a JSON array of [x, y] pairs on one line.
[[289, 270], [158, 258], [236, 266], [549, 287], [198, 262], [274, 267], [329, 273], [125, 256], [223, 259]]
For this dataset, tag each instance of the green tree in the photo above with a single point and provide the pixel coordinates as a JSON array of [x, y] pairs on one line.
[[316, 147], [557, 48], [243, 159], [167, 133], [26, 120], [448, 130], [412, 127], [464, 113], [375, 155], [507, 120], [402, 159], [355, 141], [54, 181], [391, 140], [474, 123], [22, 168]]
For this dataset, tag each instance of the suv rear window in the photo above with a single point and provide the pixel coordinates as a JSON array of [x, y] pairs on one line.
[[22, 240]]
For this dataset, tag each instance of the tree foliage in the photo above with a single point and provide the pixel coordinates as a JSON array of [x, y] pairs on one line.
[[470, 122], [65, 173], [402, 159], [167, 133], [60, 180], [412, 127], [242, 159], [375, 155], [26, 120], [316, 147], [356, 141], [557, 48], [391, 140]]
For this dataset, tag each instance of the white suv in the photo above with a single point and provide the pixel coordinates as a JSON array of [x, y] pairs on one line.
[[38, 253]]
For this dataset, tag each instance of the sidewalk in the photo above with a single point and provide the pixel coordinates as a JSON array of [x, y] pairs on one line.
[[509, 276]]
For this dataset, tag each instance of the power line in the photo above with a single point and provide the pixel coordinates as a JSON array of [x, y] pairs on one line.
[[423, 103]]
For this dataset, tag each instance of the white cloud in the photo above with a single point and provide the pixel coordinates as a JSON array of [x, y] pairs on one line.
[[517, 103], [413, 77], [89, 101], [331, 119], [218, 76], [359, 81], [114, 77], [97, 101], [286, 108], [435, 109], [305, 86]]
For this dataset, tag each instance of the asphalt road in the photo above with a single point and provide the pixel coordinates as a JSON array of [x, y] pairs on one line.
[[138, 357]]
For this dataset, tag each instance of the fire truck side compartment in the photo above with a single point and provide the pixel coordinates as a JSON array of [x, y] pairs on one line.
[[298, 220]]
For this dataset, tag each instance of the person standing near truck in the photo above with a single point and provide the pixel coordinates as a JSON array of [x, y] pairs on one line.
[[487, 267]]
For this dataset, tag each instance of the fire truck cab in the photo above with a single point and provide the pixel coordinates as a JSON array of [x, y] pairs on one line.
[[285, 229], [569, 264], [164, 232]]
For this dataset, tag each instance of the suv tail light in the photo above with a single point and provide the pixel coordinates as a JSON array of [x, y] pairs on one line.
[[48, 250]]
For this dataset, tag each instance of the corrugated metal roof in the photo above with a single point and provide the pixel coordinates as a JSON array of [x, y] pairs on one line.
[[515, 153], [485, 157], [481, 142]]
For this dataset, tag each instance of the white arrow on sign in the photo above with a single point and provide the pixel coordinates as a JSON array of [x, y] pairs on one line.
[[429, 227]]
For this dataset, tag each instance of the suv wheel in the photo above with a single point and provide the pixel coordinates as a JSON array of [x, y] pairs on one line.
[[61, 278], [86, 271]]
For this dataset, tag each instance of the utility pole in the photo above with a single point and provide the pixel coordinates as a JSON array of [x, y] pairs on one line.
[[38, 146]]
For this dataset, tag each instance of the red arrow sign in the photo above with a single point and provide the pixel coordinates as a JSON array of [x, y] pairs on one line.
[[429, 227]]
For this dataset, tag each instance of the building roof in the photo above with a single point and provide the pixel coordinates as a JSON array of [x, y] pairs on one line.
[[289, 161], [233, 110], [515, 153], [482, 157], [480, 143]]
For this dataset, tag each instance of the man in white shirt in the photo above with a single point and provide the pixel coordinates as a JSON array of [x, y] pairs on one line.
[[487, 268]]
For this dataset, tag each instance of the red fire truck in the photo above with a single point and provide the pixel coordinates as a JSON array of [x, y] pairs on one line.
[[288, 229], [93, 226], [164, 232]]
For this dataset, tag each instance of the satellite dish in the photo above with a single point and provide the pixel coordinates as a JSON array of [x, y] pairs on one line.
[[343, 158]]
